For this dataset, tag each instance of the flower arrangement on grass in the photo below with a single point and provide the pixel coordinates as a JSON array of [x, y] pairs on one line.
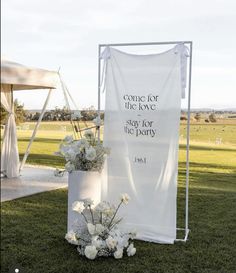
[[97, 233], [85, 154]]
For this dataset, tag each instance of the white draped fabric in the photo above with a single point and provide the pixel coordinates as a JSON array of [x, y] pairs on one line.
[[23, 77], [142, 114], [9, 153], [15, 76]]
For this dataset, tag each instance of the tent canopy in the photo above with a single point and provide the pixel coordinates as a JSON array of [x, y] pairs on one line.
[[15, 76], [21, 77]]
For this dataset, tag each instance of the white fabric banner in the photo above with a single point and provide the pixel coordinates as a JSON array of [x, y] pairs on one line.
[[142, 116]]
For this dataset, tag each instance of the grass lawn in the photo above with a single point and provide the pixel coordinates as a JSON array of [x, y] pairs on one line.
[[50, 135], [33, 228]]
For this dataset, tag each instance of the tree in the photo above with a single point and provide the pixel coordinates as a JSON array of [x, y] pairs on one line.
[[3, 115], [89, 113], [20, 113], [212, 117], [36, 116], [197, 116], [183, 118], [60, 114]]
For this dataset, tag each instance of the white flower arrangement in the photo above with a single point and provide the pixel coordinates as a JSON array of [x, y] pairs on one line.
[[97, 234], [97, 121], [85, 154]]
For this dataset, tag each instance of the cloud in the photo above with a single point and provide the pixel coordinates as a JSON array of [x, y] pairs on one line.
[[66, 33]]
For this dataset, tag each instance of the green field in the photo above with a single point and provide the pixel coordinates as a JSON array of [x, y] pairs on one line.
[[211, 136], [33, 227]]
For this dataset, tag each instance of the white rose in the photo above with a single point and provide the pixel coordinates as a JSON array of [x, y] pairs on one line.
[[97, 121], [91, 228], [64, 148], [111, 242], [90, 252], [98, 243], [70, 154], [89, 134], [131, 250], [99, 228], [90, 153], [122, 241], [78, 206], [83, 143], [76, 147], [68, 139], [118, 254], [88, 202], [71, 237], [69, 167], [133, 233], [125, 198]]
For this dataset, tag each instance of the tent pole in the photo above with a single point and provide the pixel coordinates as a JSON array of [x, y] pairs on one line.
[[35, 130], [99, 91], [65, 91]]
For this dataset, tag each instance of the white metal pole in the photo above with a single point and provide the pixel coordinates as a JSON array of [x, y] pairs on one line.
[[189, 108], [151, 43], [187, 150], [35, 130], [99, 90]]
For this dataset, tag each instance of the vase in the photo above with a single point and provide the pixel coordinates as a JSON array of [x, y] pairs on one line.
[[82, 185]]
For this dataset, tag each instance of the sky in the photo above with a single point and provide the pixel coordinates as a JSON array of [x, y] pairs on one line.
[[66, 34]]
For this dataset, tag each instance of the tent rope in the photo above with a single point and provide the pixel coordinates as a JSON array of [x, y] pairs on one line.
[[77, 130]]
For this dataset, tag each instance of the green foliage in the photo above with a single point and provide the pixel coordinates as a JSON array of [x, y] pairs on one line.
[[33, 228], [20, 113], [197, 116], [3, 113], [60, 114], [88, 115], [35, 116], [212, 117], [63, 114], [184, 118]]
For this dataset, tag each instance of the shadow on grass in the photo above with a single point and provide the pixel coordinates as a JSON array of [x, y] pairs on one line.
[[45, 160], [35, 239], [206, 148], [41, 140], [182, 165]]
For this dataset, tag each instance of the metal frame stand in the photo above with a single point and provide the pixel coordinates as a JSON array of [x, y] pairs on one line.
[[190, 44]]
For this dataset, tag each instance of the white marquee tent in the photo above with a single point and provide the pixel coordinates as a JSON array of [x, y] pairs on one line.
[[16, 77]]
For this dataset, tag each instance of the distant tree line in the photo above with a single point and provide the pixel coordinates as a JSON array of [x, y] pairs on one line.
[[87, 114], [57, 114], [63, 114], [211, 117], [198, 117]]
